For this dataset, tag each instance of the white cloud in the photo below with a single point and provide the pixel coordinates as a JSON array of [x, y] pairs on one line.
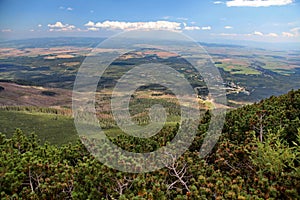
[[90, 23], [93, 29], [296, 31], [39, 25], [192, 28], [59, 26], [152, 25], [65, 8], [228, 34], [6, 30], [56, 25], [258, 33], [218, 2], [257, 3], [117, 25], [183, 18], [287, 34], [228, 27], [206, 28], [272, 35]]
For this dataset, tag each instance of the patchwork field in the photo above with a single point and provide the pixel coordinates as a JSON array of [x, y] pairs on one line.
[[41, 73]]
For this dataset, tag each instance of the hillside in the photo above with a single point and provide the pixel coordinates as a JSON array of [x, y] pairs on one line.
[[21, 95], [257, 157], [51, 125]]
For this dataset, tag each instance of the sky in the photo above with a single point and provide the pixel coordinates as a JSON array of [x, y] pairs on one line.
[[253, 20]]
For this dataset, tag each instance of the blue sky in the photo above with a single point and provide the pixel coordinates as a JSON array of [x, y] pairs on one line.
[[256, 20]]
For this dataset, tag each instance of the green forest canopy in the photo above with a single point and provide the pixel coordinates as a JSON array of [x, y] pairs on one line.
[[257, 157]]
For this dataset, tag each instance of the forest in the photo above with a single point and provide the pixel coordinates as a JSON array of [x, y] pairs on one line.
[[256, 157]]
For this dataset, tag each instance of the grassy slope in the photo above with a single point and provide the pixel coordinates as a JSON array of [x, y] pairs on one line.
[[56, 129]]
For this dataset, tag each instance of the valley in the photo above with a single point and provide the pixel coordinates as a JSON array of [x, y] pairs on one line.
[[150, 100], [41, 73]]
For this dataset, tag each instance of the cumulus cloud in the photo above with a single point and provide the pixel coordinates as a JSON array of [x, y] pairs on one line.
[[56, 25], [228, 27], [192, 28], [39, 25], [183, 18], [65, 8], [272, 35], [93, 29], [296, 31], [227, 34], [90, 24], [117, 25], [152, 25], [59, 26], [206, 28], [257, 3], [218, 2], [287, 34], [258, 33]]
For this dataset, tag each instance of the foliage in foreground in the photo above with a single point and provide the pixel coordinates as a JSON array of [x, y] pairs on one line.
[[256, 158]]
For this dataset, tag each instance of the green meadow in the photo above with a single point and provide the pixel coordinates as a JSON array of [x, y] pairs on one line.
[[54, 128]]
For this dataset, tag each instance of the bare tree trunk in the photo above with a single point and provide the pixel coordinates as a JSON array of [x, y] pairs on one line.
[[180, 174], [261, 128], [30, 181], [122, 185]]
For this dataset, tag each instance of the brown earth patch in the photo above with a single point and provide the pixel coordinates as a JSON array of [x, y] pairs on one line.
[[20, 95]]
